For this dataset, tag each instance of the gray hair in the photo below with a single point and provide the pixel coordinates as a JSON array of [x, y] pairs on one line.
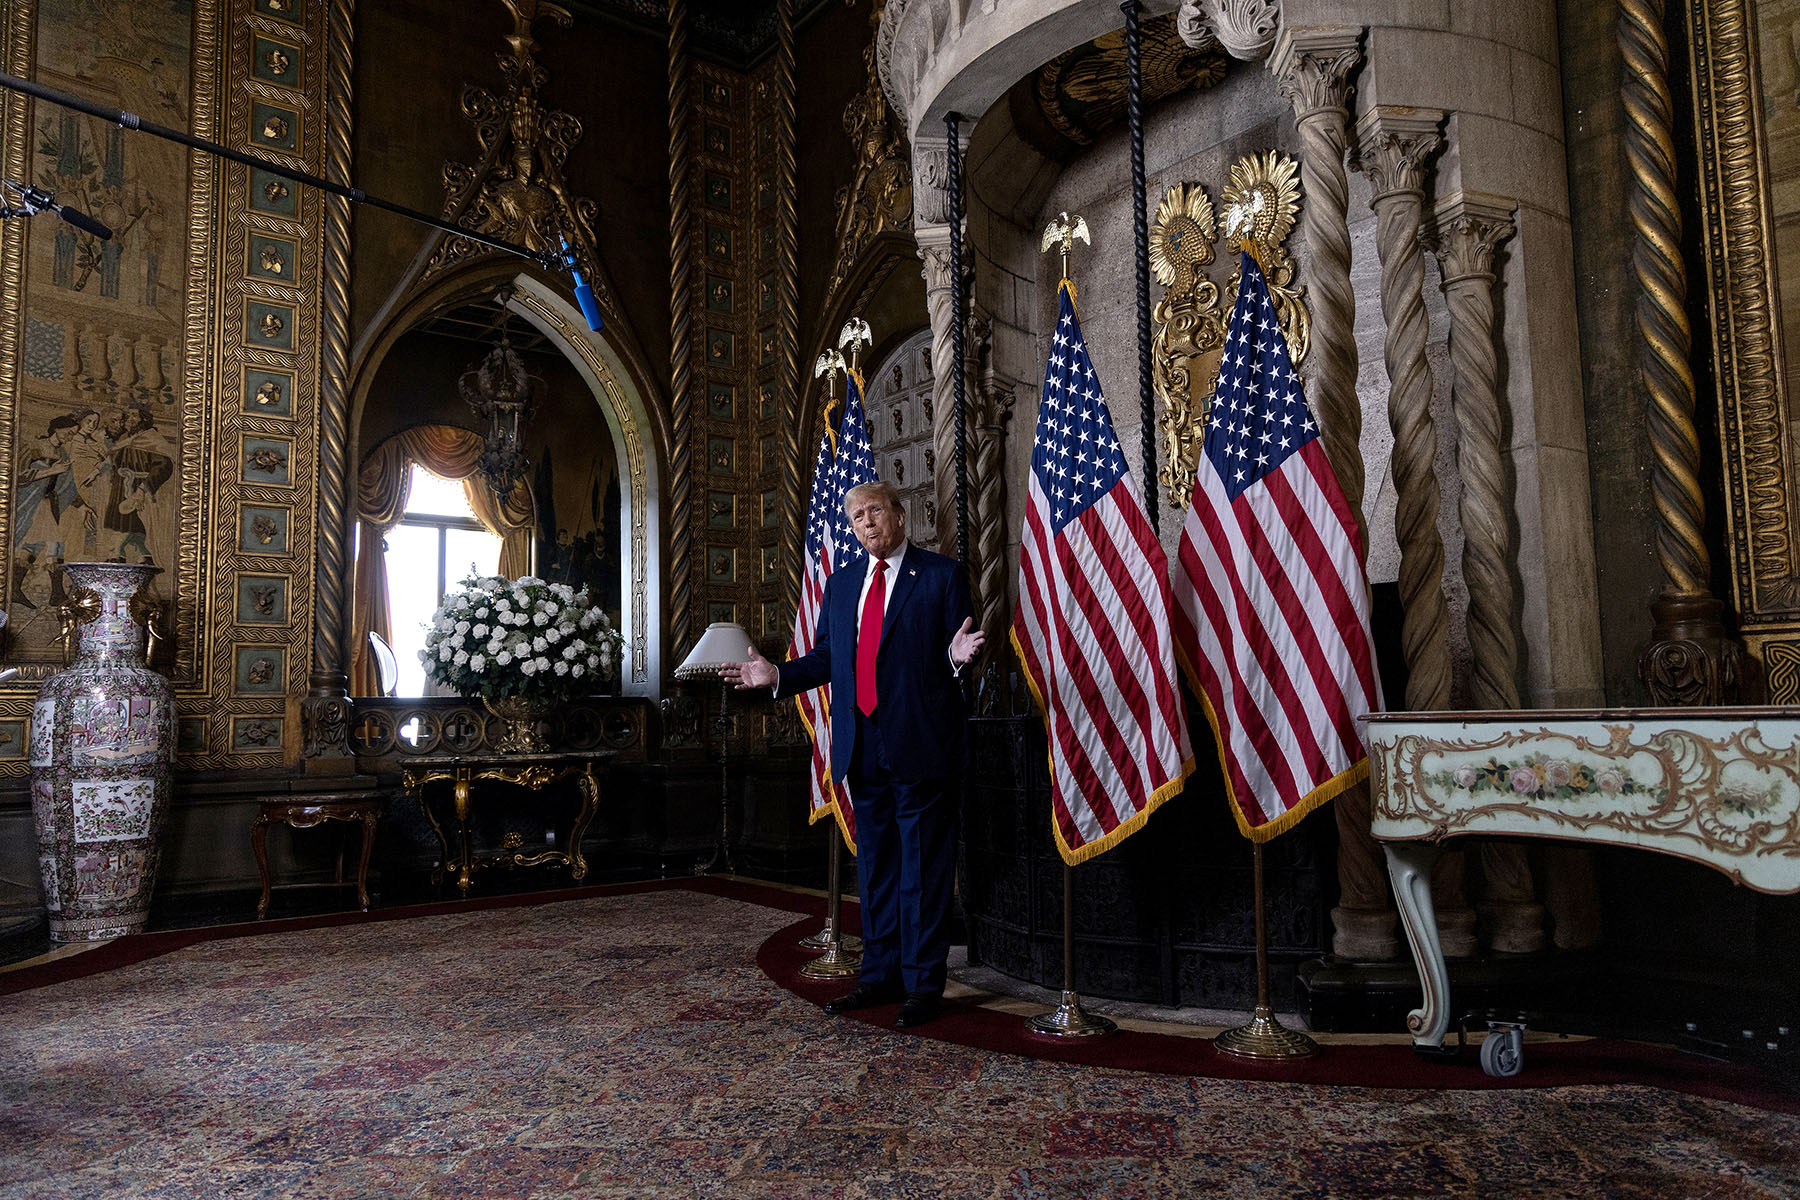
[[870, 490]]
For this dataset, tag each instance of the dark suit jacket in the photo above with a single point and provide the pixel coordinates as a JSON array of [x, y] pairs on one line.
[[921, 703]]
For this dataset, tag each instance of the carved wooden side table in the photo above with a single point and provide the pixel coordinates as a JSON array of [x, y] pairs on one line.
[[533, 772], [303, 811]]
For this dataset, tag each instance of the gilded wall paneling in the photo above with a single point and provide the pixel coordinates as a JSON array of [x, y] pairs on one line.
[[1745, 142]]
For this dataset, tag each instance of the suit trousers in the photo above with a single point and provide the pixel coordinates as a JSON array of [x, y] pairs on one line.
[[905, 868]]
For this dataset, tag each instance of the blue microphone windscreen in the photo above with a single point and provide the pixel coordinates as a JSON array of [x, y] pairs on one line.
[[590, 308]]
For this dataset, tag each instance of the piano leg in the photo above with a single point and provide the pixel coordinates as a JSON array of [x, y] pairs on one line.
[[1409, 868]]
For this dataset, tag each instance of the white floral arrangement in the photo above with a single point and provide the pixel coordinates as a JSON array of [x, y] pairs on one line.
[[496, 637]]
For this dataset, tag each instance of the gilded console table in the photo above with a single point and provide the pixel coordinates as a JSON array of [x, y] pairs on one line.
[[533, 772], [1719, 786]]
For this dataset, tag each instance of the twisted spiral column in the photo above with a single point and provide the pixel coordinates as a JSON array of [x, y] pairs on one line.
[[1689, 659], [987, 485], [1467, 230], [1393, 145], [681, 294], [787, 306], [1312, 66], [326, 712], [1393, 150], [934, 253]]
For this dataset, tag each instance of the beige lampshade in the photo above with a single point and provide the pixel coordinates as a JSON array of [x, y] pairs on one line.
[[723, 642]]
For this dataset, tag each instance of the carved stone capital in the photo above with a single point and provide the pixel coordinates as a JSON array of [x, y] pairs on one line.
[[934, 252], [1391, 145], [931, 179], [1246, 28], [1463, 232], [1312, 64]]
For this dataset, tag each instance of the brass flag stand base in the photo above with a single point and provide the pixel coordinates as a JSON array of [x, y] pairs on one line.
[[1264, 1037], [823, 939], [1069, 1019], [839, 960]]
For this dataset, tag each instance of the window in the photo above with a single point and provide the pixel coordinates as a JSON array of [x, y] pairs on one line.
[[437, 544]]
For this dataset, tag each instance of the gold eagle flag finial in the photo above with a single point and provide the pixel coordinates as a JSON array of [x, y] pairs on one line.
[[854, 337], [1065, 229]]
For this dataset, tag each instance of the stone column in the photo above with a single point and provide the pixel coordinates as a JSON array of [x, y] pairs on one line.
[[1392, 146], [1468, 227], [1312, 65], [931, 229]]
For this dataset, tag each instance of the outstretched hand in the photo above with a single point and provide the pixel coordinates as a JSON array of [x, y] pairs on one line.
[[759, 672], [966, 643]]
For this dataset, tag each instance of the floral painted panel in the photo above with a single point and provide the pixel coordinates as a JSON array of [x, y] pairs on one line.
[[43, 724], [112, 810]]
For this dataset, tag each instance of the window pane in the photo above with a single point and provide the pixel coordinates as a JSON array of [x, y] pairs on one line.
[[467, 549], [431, 496], [412, 566]]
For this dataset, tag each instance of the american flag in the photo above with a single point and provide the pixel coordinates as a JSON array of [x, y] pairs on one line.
[[830, 545], [1272, 602], [1092, 625]]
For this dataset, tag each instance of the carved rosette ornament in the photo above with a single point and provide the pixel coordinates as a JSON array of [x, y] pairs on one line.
[[1246, 28], [1190, 332]]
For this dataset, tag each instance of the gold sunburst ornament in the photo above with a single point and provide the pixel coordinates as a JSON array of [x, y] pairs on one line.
[[1260, 201], [1182, 235]]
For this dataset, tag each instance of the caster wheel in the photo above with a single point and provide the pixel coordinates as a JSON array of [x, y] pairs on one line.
[[1503, 1053]]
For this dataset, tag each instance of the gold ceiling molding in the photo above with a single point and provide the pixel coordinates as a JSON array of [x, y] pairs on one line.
[[1260, 200], [517, 190], [879, 196]]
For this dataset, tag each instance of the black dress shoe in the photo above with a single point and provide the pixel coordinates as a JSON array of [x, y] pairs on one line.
[[917, 1010], [863, 995]]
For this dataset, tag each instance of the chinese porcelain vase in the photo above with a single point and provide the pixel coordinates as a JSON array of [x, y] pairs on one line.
[[102, 736]]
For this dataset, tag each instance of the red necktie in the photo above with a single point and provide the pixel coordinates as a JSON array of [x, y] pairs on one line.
[[868, 639]]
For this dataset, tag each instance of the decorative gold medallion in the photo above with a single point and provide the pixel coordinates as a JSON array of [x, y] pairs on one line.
[[1190, 331]]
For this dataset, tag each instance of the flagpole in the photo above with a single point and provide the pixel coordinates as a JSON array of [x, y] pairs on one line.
[[829, 364], [1264, 1037], [839, 958], [1140, 227], [1069, 1019]]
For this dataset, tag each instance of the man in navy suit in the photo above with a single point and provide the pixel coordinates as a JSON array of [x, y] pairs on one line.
[[892, 641]]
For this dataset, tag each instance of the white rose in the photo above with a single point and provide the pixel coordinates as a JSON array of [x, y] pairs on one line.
[[527, 667], [554, 633], [541, 619], [462, 656], [593, 660], [477, 661], [444, 653], [543, 664], [463, 627], [569, 653], [503, 657], [479, 631], [562, 668], [539, 644], [577, 670]]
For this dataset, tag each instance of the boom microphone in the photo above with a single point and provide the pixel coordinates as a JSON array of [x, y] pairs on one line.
[[82, 221], [584, 294]]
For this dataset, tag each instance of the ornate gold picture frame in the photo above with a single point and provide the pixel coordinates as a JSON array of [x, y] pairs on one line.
[[1747, 139]]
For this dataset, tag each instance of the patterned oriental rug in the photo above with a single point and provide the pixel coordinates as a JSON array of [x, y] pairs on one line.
[[643, 1042]]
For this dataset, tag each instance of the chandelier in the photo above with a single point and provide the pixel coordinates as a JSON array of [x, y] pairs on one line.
[[500, 391]]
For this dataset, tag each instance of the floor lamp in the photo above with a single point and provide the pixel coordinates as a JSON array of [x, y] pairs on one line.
[[723, 643]]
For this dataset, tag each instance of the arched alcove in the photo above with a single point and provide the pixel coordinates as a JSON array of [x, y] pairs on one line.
[[624, 438]]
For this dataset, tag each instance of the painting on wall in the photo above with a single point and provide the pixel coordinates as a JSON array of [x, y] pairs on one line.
[[98, 408], [578, 526]]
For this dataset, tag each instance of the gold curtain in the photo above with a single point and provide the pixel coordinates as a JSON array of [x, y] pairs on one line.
[[382, 485]]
